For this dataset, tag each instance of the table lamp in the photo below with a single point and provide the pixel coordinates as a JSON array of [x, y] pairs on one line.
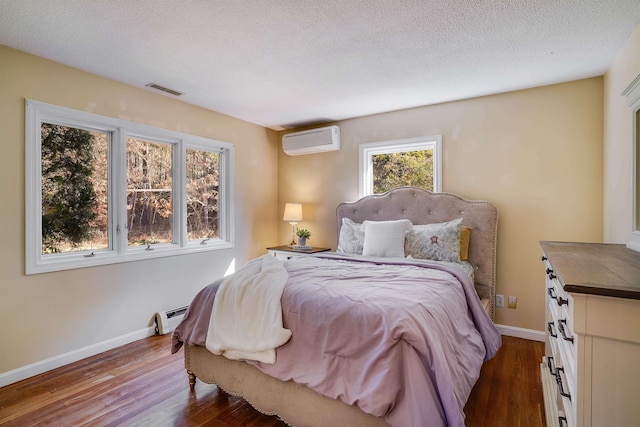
[[293, 214]]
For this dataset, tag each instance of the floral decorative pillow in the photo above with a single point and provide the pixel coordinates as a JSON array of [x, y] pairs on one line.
[[351, 238], [437, 242]]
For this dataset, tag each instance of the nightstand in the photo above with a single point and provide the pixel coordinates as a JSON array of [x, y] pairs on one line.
[[284, 253]]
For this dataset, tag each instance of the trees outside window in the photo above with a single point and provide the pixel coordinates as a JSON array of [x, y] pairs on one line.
[[149, 191], [74, 189], [392, 170], [408, 162], [102, 190], [203, 190]]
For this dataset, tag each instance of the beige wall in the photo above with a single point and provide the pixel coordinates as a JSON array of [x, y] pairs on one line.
[[46, 315], [536, 154], [618, 142]]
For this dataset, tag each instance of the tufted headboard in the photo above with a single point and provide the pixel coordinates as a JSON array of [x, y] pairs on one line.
[[424, 207]]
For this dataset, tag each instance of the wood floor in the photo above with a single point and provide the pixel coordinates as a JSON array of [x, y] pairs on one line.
[[142, 384]]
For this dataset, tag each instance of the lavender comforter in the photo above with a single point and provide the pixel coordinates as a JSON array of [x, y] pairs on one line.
[[401, 339]]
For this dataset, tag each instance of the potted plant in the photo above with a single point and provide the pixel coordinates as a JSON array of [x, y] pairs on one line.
[[303, 235]]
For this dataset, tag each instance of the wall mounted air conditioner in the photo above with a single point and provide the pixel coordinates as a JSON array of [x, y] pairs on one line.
[[312, 141]]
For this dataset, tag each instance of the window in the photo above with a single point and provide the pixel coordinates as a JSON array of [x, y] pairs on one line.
[[74, 188], [101, 190], [632, 93], [149, 191], [390, 164], [203, 175]]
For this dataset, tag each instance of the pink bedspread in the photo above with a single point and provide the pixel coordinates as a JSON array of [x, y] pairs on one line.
[[404, 340]]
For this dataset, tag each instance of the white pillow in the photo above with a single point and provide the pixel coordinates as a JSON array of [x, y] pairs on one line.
[[351, 237], [385, 238]]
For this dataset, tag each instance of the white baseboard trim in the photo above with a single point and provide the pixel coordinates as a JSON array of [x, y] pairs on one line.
[[527, 334], [33, 369]]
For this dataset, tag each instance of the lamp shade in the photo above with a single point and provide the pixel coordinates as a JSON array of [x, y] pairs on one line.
[[292, 212]]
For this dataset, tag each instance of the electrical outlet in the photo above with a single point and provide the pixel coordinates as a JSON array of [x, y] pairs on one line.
[[499, 300], [513, 302]]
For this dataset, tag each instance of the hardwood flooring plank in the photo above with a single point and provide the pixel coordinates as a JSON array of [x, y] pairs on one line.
[[116, 383], [92, 375], [142, 384], [508, 392]]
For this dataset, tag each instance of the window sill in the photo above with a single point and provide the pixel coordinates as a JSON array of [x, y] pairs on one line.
[[46, 264]]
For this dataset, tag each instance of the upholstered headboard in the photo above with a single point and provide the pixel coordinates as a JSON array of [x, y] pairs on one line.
[[424, 207]]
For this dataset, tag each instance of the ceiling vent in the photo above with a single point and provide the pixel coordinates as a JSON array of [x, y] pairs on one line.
[[312, 141], [164, 89]]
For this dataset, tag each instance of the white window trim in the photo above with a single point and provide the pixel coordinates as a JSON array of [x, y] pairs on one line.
[[366, 151], [632, 92], [119, 251]]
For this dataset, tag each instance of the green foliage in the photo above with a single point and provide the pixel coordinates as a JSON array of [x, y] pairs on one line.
[[304, 233], [68, 197], [394, 170]]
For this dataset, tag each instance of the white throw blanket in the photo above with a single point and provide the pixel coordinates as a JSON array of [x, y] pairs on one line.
[[246, 321]]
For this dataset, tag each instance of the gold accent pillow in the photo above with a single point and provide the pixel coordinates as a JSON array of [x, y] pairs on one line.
[[465, 236]]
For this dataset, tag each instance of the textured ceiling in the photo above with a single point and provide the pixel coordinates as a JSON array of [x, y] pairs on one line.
[[284, 63]]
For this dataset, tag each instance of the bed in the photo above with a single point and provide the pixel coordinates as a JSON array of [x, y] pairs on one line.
[[410, 388]]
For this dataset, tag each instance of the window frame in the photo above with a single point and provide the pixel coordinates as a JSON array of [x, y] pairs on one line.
[[632, 93], [366, 151], [119, 251]]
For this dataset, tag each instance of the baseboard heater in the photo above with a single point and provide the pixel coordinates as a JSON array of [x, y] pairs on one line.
[[166, 321]]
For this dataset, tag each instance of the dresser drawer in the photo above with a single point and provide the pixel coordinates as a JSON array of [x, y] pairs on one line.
[[563, 301], [283, 256], [559, 403], [563, 390], [553, 411], [561, 351]]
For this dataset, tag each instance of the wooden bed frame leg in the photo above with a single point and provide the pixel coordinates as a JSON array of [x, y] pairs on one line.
[[192, 380]]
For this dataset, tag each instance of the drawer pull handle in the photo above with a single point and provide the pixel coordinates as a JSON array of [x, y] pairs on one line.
[[563, 332], [550, 328], [549, 270], [560, 386], [559, 300], [551, 276], [544, 258], [562, 421], [549, 360]]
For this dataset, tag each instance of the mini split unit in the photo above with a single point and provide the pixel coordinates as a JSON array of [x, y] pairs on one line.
[[312, 141]]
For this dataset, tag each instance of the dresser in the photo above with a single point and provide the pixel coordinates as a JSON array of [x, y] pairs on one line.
[[591, 369], [284, 253]]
